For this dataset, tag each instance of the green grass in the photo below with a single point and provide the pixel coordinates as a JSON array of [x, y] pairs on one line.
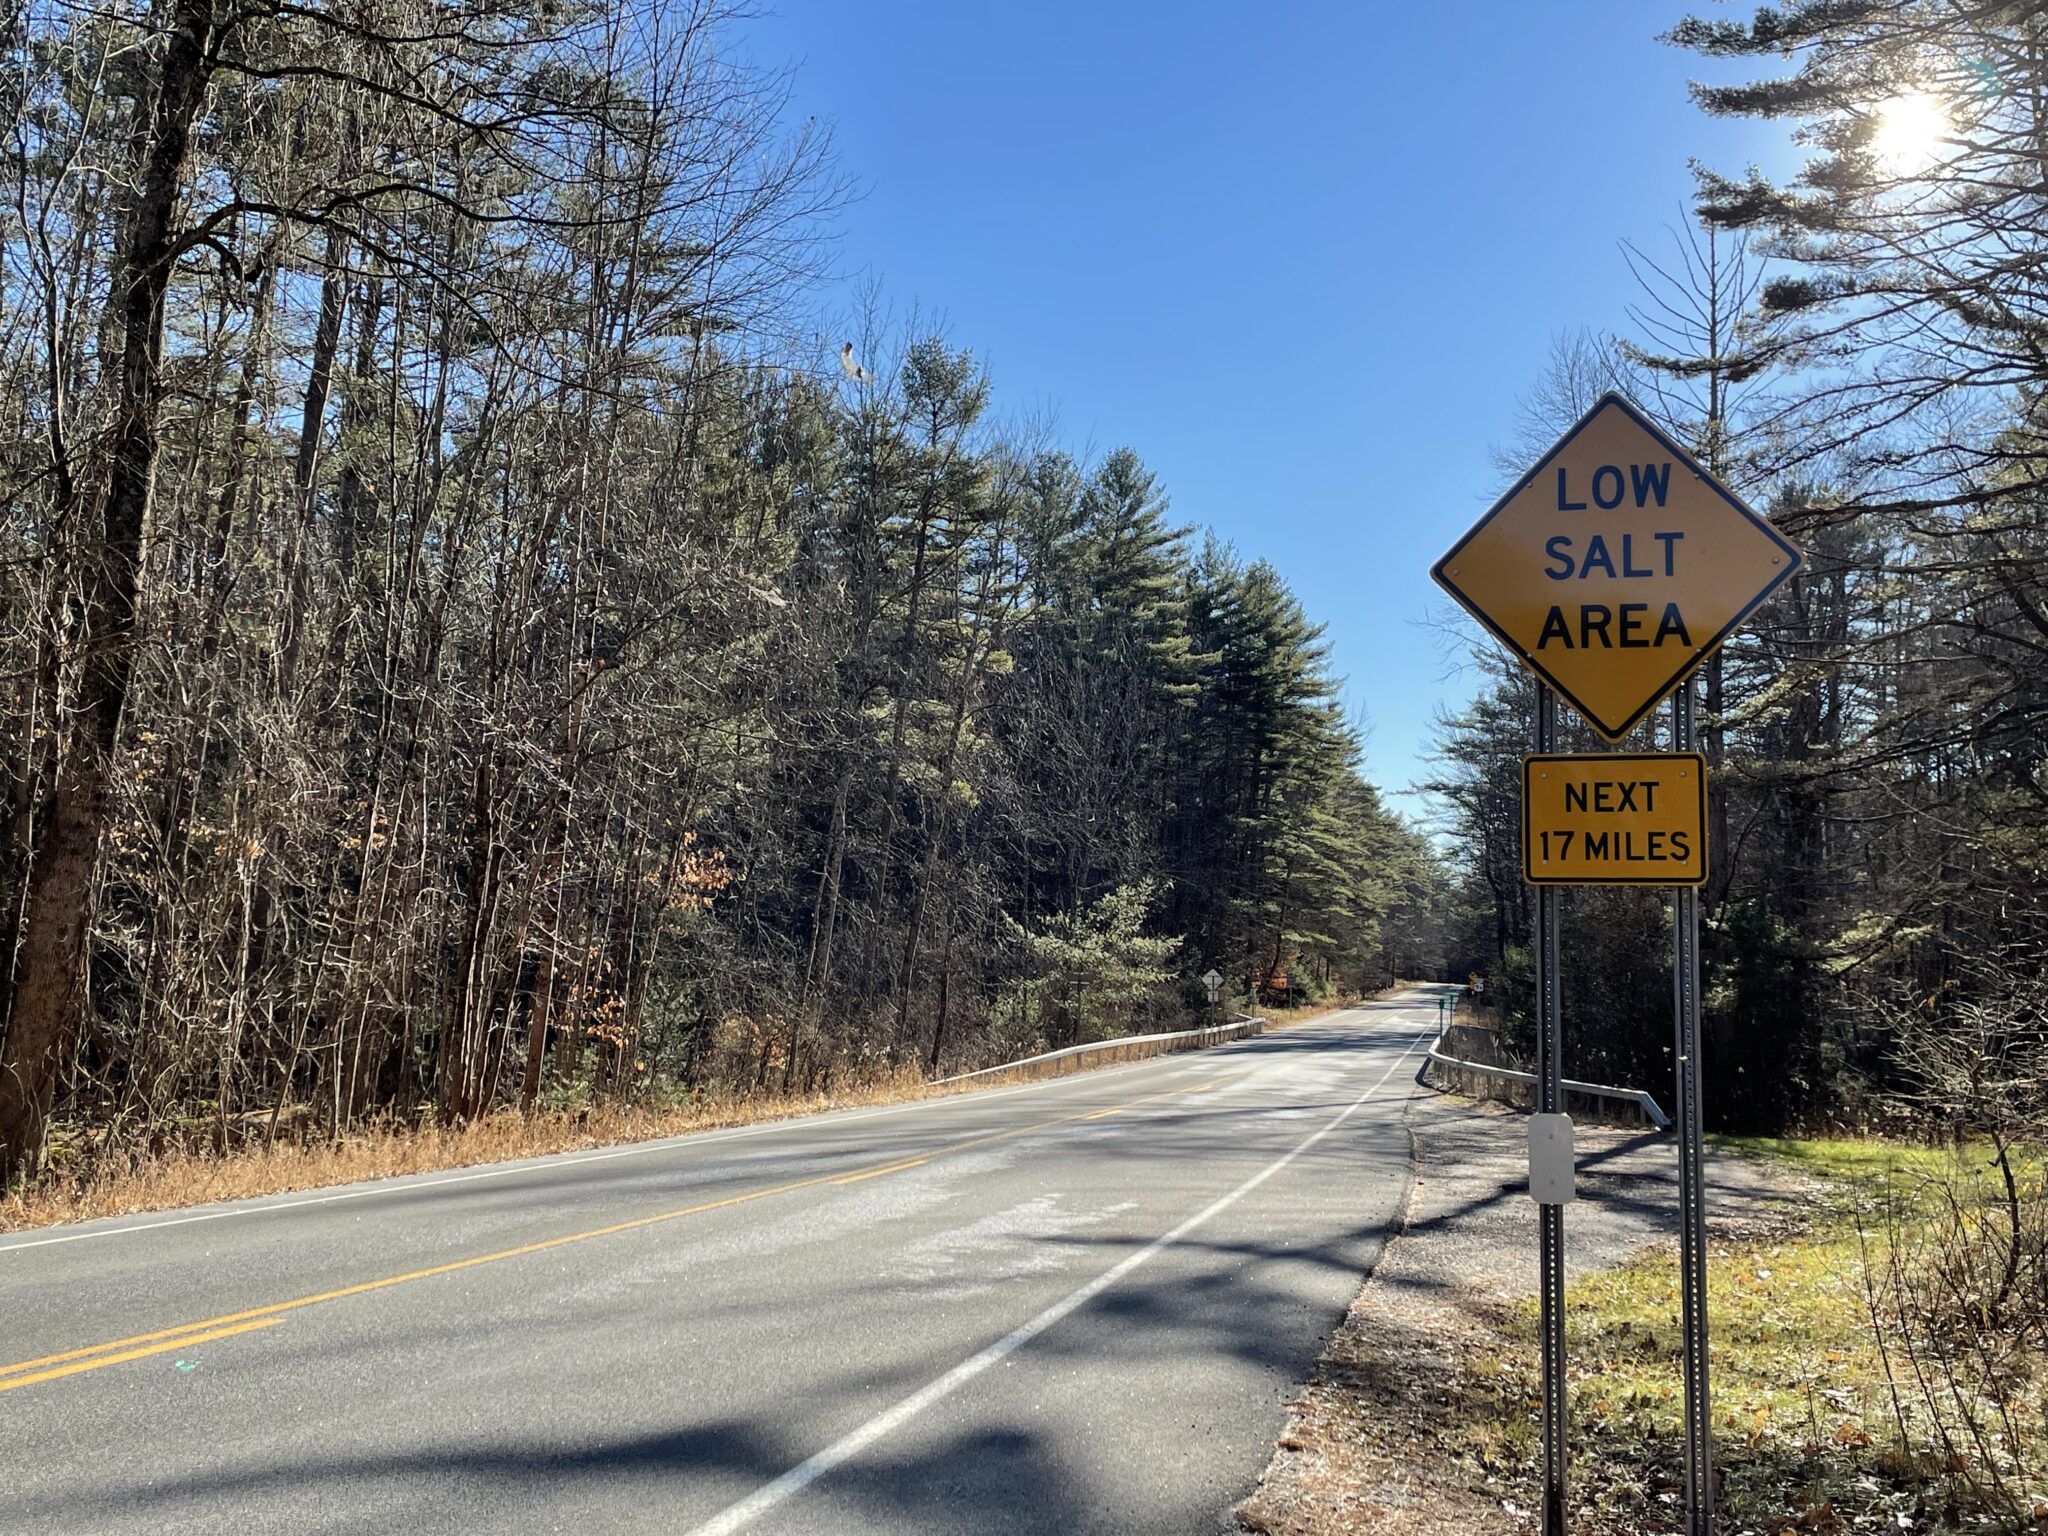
[[1796, 1371], [1857, 1171], [1804, 1422], [1840, 1158]]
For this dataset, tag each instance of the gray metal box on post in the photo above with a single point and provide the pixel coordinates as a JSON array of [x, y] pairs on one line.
[[1553, 1160]]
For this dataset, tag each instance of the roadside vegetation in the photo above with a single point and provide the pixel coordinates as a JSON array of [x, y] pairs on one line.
[[1878, 1364], [571, 1121], [1877, 1352], [476, 647], [193, 1174], [1856, 349]]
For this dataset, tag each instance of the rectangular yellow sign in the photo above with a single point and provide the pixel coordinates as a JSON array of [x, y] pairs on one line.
[[1612, 818]]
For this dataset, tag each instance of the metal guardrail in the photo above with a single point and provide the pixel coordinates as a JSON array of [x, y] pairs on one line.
[[1197, 1039], [1636, 1096]]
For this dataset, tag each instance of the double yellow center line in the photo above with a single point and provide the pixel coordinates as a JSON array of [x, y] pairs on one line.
[[28, 1373]]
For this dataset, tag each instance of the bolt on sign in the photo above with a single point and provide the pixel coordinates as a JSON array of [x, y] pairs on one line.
[[1615, 566], [1612, 818]]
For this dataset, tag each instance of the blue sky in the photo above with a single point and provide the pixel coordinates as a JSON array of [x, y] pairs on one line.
[[1303, 257]]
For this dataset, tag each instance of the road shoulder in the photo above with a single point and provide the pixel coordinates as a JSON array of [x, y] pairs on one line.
[[1381, 1438], [183, 1180]]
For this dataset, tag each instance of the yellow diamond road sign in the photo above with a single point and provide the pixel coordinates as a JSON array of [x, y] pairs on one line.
[[1615, 566]]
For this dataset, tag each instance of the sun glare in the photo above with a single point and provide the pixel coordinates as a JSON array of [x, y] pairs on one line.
[[1910, 129]]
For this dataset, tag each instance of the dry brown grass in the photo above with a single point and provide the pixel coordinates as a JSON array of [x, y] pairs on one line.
[[1286, 1018], [187, 1177]]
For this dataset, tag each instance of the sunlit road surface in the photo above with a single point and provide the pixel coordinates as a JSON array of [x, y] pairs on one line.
[[1072, 1306]]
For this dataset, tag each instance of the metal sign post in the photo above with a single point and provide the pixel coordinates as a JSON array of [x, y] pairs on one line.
[[1692, 1208], [1611, 570], [1550, 1232]]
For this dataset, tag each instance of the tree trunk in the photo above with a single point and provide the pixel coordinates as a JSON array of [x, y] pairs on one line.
[[1720, 853], [296, 579], [540, 1012], [945, 994], [50, 998]]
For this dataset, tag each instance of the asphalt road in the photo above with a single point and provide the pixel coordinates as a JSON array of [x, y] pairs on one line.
[[1073, 1306]]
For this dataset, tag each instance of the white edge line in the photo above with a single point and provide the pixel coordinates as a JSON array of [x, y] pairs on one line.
[[390, 1185], [801, 1476]]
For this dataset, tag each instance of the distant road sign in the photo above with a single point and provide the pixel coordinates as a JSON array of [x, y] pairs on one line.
[[1615, 818], [1615, 566]]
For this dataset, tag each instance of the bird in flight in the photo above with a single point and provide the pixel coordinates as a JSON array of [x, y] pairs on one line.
[[852, 369]]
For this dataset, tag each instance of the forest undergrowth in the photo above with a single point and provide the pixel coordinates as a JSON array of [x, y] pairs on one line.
[[1880, 1367]]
